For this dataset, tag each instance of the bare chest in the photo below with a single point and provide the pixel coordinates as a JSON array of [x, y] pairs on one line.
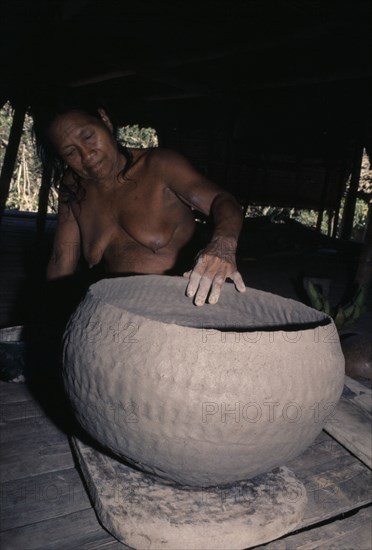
[[135, 216]]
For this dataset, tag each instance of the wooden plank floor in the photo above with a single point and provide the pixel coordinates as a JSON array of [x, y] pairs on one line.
[[352, 533], [44, 504]]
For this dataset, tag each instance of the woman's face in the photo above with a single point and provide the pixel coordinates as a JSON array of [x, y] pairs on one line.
[[86, 144]]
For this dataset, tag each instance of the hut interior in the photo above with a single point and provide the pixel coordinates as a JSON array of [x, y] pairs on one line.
[[269, 99]]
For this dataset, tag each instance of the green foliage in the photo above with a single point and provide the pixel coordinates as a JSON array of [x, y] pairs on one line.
[[317, 300], [25, 183], [136, 137], [344, 315], [280, 214], [349, 313], [360, 216], [309, 218]]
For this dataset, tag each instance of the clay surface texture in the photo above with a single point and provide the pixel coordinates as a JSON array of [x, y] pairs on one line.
[[201, 396]]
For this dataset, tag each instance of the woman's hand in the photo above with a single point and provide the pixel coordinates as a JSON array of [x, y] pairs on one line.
[[214, 265]]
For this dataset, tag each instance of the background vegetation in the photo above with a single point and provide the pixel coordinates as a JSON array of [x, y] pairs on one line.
[[26, 179]]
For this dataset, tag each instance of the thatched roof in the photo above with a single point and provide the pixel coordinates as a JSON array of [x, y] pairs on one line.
[[241, 51], [226, 81]]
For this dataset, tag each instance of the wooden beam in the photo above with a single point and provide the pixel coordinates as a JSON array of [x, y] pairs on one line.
[[173, 96], [94, 79], [341, 187], [308, 80], [11, 155], [43, 201], [323, 197], [301, 37], [176, 60], [190, 88], [364, 271], [155, 75], [350, 201]]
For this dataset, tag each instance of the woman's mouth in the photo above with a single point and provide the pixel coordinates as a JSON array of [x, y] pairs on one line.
[[92, 168]]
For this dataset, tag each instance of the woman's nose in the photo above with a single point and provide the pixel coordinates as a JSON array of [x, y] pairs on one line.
[[87, 155]]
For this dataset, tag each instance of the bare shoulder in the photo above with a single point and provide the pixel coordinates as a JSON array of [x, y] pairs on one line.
[[148, 157], [167, 162], [161, 155]]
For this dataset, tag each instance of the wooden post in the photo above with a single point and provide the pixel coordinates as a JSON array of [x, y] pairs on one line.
[[341, 187], [330, 214], [335, 221], [43, 201], [323, 199], [11, 155], [350, 201], [364, 271], [319, 220]]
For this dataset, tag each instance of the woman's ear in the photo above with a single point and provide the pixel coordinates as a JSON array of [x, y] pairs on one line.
[[105, 119]]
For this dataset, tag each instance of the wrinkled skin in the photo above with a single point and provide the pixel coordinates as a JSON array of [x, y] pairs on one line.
[[139, 223]]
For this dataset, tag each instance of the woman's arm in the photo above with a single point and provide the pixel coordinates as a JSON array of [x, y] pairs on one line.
[[66, 246], [217, 261]]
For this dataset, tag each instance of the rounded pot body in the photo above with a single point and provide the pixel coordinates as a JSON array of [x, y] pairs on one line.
[[201, 396]]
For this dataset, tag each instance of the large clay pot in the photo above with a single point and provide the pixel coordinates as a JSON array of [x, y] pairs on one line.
[[201, 396]]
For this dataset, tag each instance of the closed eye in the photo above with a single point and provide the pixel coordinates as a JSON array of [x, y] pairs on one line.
[[69, 153]]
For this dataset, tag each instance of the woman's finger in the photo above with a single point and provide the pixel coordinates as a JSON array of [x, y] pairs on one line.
[[217, 285], [238, 281]]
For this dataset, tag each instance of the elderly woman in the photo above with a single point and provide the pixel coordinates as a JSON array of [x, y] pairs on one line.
[[131, 209]]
